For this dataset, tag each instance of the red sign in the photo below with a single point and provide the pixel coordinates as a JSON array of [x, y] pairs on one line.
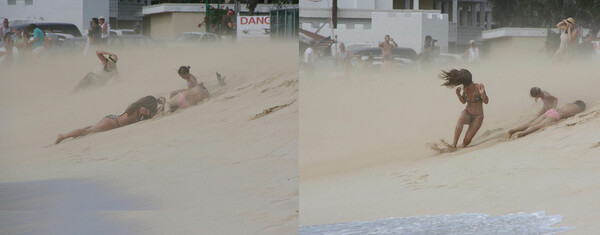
[[255, 20]]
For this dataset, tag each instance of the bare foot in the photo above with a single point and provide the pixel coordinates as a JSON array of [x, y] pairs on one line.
[[59, 138]]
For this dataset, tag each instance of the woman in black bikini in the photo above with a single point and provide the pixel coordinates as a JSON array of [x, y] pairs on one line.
[[142, 109], [474, 95]]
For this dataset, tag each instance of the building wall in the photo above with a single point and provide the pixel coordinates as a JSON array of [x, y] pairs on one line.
[[187, 22], [408, 28], [507, 47], [94, 8], [350, 4], [60, 11], [171, 24], [161, 25]]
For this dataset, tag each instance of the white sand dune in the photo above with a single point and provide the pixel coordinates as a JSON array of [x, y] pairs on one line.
[[364, 152], [214, 168]]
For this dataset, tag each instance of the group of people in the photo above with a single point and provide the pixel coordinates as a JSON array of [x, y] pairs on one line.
[[474, 95], [27, 42], [99, 31], [144, 108], [569, 46]]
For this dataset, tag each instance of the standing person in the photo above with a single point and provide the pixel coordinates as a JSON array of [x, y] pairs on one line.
[[37, 43], [586, 48], [472, 53], [105, 27], [343, 57], [386, 48], [143, 108], [7, 55], [473, 94], [428, 49], [567, 38], [5, 29], [227, 24], [309, 59], [95, 32], [549, 100], [104, 72]]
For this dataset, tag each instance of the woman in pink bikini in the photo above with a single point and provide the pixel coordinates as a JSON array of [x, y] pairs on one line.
[[550, 116], [473, 94], [144, 108], [183, 98]]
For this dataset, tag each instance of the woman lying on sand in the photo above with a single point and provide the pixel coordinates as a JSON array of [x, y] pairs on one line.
[[142, 109], [104, 72], [474, 95], [183, 98], [552, 115], [548, 100]]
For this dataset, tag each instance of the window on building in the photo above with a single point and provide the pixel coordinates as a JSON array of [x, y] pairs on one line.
[[12, 2], [28, 2]]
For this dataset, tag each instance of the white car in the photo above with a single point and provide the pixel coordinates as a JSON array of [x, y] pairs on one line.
[[196, 37], [121, 32]]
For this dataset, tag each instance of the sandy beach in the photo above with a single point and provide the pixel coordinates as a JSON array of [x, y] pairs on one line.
[[365, 154], [226, 166]]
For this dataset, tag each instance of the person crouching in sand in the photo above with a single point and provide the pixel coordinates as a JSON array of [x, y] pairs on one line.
[[184, 98], [473, 94], [550, 116], [548, 100], [144, 108], [103, 73]]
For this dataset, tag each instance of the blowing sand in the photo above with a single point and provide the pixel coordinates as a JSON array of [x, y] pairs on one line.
[[226, 166], [365, 146]]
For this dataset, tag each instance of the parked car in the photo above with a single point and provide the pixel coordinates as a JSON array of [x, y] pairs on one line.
[[56, 28], [121, 32], [399, 52], [196, 37], [131, 40], [56, 33]]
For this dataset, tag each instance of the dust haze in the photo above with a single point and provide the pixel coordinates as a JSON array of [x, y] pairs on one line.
[[351, 123]]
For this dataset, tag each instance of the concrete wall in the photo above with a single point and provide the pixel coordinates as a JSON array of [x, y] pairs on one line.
[[170, 24], [350, 4], [406, 27], [508, 47], [187, 22], [77, 12], [161, 25], [94, 8]]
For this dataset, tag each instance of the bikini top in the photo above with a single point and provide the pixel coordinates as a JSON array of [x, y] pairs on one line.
[[476, 96]]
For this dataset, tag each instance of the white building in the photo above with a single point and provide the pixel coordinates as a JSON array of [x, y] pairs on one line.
[[452, 22], [77, 12]]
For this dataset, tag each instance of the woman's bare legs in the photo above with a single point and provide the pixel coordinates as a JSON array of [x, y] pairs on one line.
[[103, 125], [462, 119], [472, 130]]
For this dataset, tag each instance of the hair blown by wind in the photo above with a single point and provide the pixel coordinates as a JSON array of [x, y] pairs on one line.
[[456, 77]]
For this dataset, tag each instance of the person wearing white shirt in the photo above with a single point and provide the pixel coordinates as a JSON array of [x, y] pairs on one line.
[[472, 53]]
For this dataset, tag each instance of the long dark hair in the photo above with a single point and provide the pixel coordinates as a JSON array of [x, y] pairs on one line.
[[149, 102], [456, 77]]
